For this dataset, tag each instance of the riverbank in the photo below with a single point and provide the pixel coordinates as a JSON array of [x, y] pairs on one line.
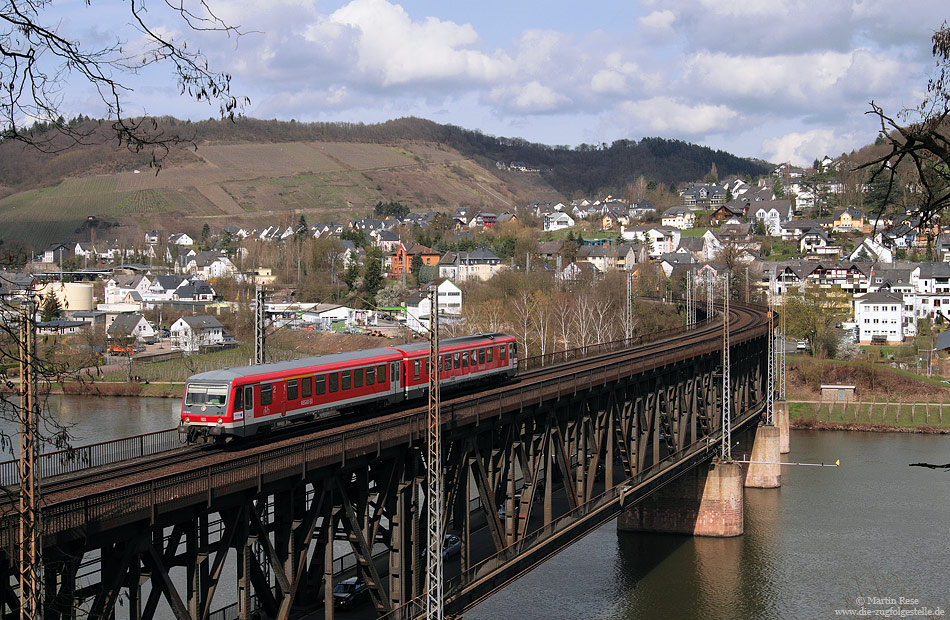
[[927, 417], [163, 389]]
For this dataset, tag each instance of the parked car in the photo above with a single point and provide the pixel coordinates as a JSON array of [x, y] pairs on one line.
[[802, 345], [349, 592], [452, 546]]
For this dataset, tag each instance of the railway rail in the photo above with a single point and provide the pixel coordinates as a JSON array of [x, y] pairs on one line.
[[101, 456], [166, 485]]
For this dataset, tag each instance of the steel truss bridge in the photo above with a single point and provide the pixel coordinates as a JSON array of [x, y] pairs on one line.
[[259, 530]]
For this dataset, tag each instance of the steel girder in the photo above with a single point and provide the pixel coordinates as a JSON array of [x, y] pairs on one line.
[[512, 476]]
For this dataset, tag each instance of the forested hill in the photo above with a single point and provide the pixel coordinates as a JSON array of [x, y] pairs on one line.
[[586, 169]]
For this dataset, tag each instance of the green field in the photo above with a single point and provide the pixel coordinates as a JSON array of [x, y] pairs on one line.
[[907, 415]]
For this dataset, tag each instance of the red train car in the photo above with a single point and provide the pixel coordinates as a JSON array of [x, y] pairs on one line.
[[244, 401]]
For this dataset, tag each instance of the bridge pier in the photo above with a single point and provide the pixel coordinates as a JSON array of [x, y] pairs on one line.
[[764, 472], [781, 421], [701, 502]]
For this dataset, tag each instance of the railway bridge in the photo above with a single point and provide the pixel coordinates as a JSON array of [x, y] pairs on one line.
[[263, 529]]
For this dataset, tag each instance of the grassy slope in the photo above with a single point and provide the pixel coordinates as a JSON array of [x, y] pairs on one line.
[[256, 183], [900, 398]]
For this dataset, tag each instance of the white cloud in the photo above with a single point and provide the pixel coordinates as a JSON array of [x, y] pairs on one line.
[[803, 148], [666, 115], [659, 22], [614, 76], [397, 50], [531, 98], [745, 8], [800, 78]]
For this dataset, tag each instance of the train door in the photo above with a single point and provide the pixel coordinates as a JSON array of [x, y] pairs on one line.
[[394, 378], [248, 403]]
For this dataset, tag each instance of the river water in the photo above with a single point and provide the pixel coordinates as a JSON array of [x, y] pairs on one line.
[[830, 539], [825, 541], [92, 419]]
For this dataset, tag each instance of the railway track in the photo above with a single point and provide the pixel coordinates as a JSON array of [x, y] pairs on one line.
[[127, 473]]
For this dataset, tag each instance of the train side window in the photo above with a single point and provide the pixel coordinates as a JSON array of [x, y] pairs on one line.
[[464, 359], [415, 369], [440, 363], [501, 352], [306, 387], [488, 354], [381, 373], [267, 394], [447, 362], [292, 389], [238, 399], [371, 375], [481, 356], [321, 381], [345, 380], [457, 361], [358, 378], [513, 349], [333, 380]]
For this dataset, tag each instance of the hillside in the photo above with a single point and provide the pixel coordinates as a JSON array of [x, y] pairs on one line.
[[253, 172]]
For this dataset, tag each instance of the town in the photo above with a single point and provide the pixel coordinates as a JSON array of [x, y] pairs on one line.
[[793, 233]]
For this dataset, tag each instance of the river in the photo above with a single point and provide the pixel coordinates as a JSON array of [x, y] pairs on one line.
[[829, 539], [91, 419], [872, 527]]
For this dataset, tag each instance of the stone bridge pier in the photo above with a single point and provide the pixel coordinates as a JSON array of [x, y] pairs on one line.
[[708, 501]]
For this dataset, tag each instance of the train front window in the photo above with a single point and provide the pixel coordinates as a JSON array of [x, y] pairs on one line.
[[211, 395]]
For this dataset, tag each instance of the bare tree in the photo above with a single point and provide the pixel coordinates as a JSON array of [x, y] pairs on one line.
[[918, 156], [37, 62]]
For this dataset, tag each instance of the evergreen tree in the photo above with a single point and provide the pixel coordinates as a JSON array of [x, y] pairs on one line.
[[372, 278], [51, 308]]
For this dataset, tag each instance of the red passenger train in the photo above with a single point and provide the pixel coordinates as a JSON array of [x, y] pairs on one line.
[[241, 402]]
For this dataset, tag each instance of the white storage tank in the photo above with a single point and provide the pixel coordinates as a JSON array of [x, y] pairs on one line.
[[77, 296]]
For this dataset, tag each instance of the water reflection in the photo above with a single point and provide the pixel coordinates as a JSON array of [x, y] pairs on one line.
[[873, 526], [96, 418]]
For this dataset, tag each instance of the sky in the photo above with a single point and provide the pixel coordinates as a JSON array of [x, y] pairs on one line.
[[781, 80]]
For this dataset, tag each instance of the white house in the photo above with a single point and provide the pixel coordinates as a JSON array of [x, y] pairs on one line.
[[557, 221], [131, 327], [772, 213], [190, 333], [872, 251], [181, 239], [679, 217], [117, 288], [450, 296], [659, 240], [880, 318]]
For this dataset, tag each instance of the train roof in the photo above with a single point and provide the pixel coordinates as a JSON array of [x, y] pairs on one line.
[[450, 342], [228, 374]]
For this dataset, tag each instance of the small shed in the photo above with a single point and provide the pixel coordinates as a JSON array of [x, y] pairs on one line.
[[837, 393]]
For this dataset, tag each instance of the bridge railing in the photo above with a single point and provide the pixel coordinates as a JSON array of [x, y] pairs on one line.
[[568, 355], [117, 450], [94, 455]]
